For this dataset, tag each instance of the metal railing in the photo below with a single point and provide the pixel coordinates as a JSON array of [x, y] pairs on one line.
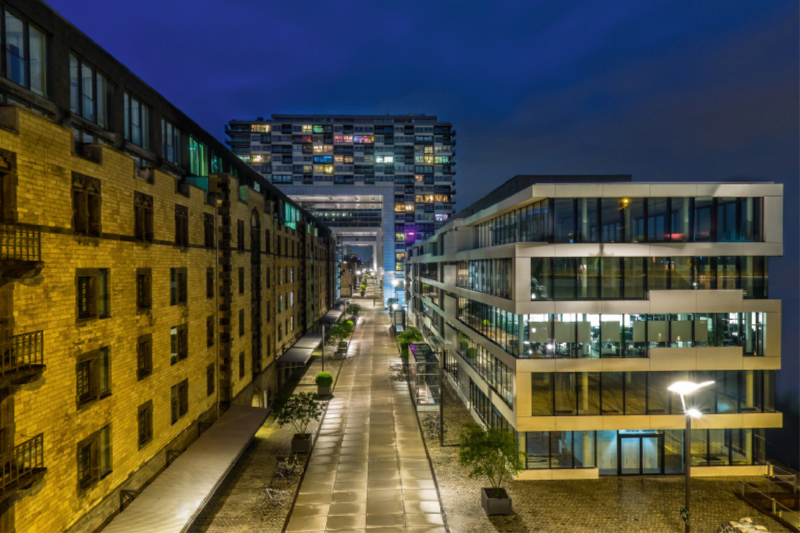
[[21, 350], [19, 242], [23, 460], [770, 503]]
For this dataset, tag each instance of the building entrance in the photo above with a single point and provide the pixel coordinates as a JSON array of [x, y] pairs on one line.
[[640, 453]]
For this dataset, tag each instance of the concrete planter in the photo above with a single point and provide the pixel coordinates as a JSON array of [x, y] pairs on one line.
[[323, 391], [301, 443], [495, 506], [339, 355]]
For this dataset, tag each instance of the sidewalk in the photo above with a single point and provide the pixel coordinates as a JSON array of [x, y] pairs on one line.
[[368, 468]]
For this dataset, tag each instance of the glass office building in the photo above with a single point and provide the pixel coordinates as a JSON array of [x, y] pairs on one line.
[[567, 305]]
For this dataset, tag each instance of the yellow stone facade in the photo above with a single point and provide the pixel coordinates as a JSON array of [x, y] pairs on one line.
[[38, 193]]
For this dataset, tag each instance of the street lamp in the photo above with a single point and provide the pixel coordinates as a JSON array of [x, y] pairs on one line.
[[684, 388]]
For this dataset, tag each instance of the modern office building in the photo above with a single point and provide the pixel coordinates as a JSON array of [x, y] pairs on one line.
[[564, 306], [148, 275], [376, 180]]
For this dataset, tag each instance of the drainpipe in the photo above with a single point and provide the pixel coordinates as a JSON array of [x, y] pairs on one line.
[[217, 204]]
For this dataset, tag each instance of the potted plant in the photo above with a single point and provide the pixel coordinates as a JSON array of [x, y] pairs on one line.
[[324, 381], [298, 410], [363, 288], [337, 336], [491, 453], [406, 337]]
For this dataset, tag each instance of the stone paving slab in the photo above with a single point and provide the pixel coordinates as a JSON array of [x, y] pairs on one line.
[[369, 471]]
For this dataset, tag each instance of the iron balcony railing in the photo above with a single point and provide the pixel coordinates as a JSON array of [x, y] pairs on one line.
[[19, 242], [23, 460], [24, 350]]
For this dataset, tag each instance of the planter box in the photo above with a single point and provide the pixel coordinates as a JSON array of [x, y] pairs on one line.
[[495, 506], [323, 391], [339, 355], [301, 443]]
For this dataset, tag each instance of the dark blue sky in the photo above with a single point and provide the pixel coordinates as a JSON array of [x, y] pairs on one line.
[[665, 90]]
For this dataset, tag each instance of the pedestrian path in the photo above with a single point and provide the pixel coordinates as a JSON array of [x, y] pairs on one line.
[[369, 471]]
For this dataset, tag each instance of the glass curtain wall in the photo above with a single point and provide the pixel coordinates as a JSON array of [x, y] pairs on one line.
[[645, 393], [489, 276], [628, 278]]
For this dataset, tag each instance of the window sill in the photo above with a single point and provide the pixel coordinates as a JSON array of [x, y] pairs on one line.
[[143, 374]]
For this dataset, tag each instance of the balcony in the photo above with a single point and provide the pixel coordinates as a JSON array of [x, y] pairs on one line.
[[22, 466], [20, 252], [22, 358]]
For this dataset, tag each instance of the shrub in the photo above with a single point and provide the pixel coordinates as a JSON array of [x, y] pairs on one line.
[[406, 337], [298, 410], [353, 309], [339, 332], [324, 379], [491, 453]]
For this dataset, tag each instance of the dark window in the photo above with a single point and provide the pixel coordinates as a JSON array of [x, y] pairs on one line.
[[144, 356], [703, 219], [178, 291], [286, 245], [241, 280], [137, 121], [88, 92], [145, 423], [210, 282], [657, 220], [181, 226], [93, 293], [25, 54], [278, 244], [179, 343], [210, 380], [143, 219], [241, 365], [268, 277], [85, 205], [179, 400], [210, 331], [208, 230], [588, 220], [635, 219], [93, 375], [241, 322], [268, 242], [144, 288], [94, 457], [564, 220], [170, 142], [240, 235], [611, 219]]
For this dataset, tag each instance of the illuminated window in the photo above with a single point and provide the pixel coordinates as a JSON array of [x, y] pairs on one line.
[[399, 237], [440, 217], [338, 138], [429, 149], [384, 159], [257, 159], [348, 138], [318, 149], [418, 178], [328, 148], [317, 128], [363, 139], [263, 128], [338, 159], [399, 256], [442, 160], [306, 128], [328, 169], [398, 267], [410, 207], [399, 208]]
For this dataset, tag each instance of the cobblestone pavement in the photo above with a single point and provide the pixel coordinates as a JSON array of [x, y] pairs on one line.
[[233, 508], [368, 471], [610, 504]]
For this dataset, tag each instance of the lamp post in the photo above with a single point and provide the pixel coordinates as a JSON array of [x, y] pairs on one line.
[[684, 388], [323, 347]]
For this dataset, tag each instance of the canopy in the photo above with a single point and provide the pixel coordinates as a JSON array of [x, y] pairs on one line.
[[302, 350], [332, 315], [179, 493]]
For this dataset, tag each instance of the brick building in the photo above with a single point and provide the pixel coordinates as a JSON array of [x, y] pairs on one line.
[[150, 278]]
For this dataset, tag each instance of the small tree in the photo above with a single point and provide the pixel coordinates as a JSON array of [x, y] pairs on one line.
[[353, 309], [490, 453], [298, 410], [406, 337], [339, 333]]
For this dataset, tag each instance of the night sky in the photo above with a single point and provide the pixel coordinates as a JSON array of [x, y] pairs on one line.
[[664, 90]]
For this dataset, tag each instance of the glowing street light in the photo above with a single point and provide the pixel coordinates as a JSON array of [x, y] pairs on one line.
[[684, 388]]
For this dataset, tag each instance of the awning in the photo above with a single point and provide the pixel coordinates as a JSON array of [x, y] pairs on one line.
[[332, 315], [302, 349], [179, 493]]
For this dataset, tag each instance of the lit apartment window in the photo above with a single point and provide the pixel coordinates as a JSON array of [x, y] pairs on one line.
[[170, 142], [137, 121], [198, 158], [26, 49]]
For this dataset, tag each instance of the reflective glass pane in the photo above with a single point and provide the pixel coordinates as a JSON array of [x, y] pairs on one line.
[[657, 273], [588, 283], [635, 223], [680, 217], [588, 220], [611, 219], [611, 280], [541, 393], [541, 278], [564, 276], [16, 62], [681, 277], [38, 53], [751, 219], [727, 229], [634, 277], [564, 219], [657, 220], [703, 213]]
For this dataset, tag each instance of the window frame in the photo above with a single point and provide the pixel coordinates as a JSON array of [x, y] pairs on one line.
[[90, 364], [179, 345], [144, 356], [181, 226], [86, 205], [179, 293], [100, 108], [95, 445], [143, 219], [145, 418], [144, 120], [144, 289], [179, 400]]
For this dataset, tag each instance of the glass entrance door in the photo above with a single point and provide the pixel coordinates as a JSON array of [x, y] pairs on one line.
[[630, 450], [641, 454]]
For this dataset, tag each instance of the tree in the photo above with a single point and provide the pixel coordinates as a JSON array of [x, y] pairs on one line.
[[298, 410], [490, 453], [353, 309], [339, 332], [406, 337]]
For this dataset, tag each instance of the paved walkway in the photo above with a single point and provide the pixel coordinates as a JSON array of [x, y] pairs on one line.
[[368, 471]]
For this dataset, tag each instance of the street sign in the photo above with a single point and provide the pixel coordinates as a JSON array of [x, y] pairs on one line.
[[684, 514]]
